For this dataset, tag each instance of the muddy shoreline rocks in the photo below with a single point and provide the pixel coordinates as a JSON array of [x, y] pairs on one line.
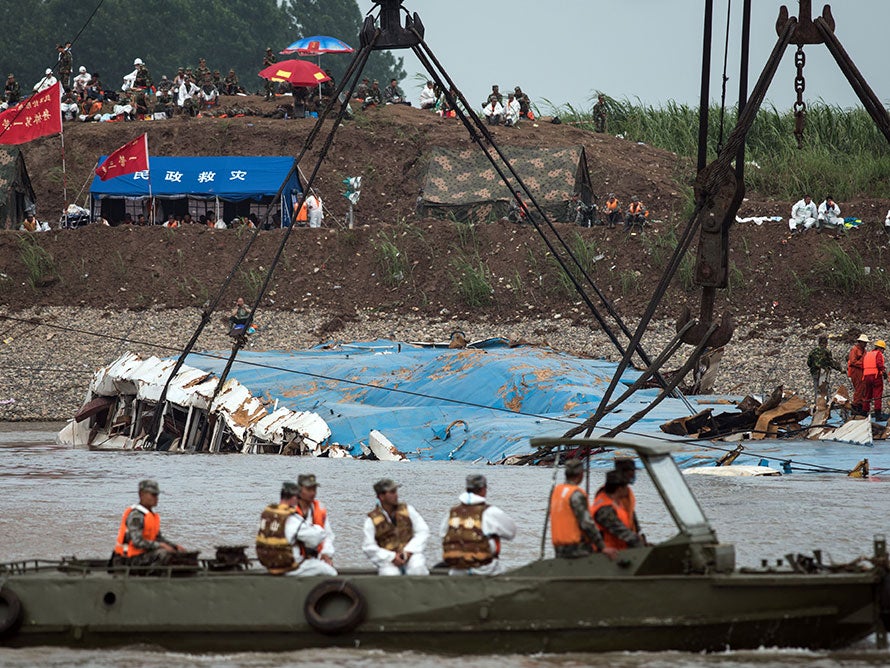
[[48, 366]]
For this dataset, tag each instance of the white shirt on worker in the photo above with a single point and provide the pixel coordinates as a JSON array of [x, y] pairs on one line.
[[495, 522], [380, 556], [301, 529], [427, 96], [493, 109], [186, 92], [46, 82], [511, 112], [81, 81]]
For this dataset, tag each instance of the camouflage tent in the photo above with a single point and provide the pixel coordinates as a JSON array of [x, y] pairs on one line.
[[16, 193], [464, 185]]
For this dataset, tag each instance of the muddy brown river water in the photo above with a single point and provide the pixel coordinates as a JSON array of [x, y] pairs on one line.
[[56, 501]]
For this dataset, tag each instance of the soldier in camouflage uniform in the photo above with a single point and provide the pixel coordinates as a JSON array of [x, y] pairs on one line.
[[269, 59], [139, 539], [820, 363], [230, 84], [143, 77], [201, 71], [599, 114], [64, 66], [12, 92], [217, 78], [572, 529]]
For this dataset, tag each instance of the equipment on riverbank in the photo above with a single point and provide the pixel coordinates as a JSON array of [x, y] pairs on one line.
[[682, 594]]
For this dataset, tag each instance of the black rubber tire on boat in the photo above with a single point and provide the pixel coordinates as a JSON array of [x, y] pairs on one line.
[[344, 623], [11, 616]]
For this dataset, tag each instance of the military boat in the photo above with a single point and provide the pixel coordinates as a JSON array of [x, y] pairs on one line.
[[682, 594]]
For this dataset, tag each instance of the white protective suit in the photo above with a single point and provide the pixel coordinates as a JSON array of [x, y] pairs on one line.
[[830, 215], [803, 215]]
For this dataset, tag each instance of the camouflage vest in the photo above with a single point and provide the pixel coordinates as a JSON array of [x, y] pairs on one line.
[[393, 535], [272, 548], [464, 545]]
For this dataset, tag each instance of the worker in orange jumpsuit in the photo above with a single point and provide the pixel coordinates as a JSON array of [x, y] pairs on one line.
[[854, 372], [873, 375]]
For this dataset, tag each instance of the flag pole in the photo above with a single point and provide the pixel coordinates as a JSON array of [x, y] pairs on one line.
[[151, 199], [64, 172]]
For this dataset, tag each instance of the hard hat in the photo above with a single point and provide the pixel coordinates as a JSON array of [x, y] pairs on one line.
[[82, 69], [863, 338], [880, 344], [49, 70], [138, 61]]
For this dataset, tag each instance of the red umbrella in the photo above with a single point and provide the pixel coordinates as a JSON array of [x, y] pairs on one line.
[[296, 72]]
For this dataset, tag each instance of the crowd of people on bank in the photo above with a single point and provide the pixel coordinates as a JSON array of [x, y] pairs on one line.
[[295, 535]]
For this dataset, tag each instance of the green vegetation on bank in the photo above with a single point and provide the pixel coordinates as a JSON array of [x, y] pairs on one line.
[[844, 153]]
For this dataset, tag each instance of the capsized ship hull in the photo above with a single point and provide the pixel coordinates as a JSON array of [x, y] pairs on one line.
[[587, 605]]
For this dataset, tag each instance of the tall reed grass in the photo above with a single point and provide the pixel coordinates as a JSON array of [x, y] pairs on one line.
[[844, 154]]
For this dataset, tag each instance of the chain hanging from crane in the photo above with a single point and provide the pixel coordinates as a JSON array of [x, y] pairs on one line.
[[800, 85]]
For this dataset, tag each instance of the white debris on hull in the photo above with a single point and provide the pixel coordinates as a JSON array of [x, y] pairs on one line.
[[120, 406], [855, 432], [383, 448], [732, 471]]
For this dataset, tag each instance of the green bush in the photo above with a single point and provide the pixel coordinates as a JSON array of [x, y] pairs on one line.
[[391, 259], [37, 260]]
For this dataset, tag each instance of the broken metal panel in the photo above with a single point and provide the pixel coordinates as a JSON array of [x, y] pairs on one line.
[[238, 407], [283, 424]]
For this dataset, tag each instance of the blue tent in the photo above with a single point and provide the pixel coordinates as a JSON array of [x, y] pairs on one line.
[[224, 178]]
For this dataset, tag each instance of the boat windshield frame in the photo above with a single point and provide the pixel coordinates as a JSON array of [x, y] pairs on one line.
[[657, 457]]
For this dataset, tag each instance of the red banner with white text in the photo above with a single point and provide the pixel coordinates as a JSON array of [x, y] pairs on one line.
[[38, 116]]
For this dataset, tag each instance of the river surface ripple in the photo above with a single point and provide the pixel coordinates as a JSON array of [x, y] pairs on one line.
[[56, 501]]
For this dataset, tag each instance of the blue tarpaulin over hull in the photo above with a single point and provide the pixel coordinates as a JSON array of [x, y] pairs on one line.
[[503, 395], [228, 178]]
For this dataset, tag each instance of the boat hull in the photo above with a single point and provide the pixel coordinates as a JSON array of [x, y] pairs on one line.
[[253, 611]]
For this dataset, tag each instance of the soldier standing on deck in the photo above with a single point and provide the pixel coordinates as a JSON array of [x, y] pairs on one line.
[[572, 529], [269, 59]]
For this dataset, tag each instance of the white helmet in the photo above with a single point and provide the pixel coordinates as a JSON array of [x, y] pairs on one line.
[[83, 69], [138, 61], [49, 71]]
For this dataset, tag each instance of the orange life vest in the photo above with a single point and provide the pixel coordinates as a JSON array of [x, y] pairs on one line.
[[151, 527], [612, 204], [624, 516], [636, 207], [564, 528], [302, 214], [319, 517], [872, 365]]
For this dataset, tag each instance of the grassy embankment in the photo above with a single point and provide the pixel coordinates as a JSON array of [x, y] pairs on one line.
[[844, 154]]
